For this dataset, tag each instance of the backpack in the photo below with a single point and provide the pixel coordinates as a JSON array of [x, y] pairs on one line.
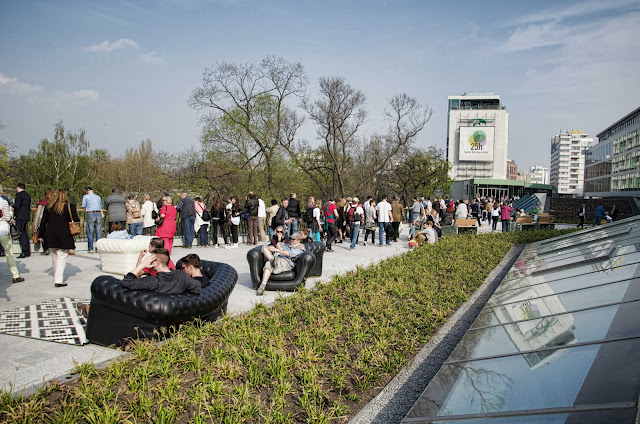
[[352, 216], [307, 217], [135, 211]]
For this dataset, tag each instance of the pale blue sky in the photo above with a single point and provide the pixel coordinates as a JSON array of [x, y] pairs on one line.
[[123, 70]]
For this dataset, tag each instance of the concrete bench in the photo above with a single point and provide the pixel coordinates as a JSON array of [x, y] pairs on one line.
[[466, 225], [524, 222]]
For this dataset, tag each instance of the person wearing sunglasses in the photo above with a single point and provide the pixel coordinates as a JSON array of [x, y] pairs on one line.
[[278, 236]]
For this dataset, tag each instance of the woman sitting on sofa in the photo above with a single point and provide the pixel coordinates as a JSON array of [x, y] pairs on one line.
[[118, 233]]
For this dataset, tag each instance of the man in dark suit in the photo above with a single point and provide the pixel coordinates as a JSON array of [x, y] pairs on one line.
[[22, 215]]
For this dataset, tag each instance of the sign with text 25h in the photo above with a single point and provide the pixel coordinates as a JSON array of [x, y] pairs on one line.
[[476, 143]]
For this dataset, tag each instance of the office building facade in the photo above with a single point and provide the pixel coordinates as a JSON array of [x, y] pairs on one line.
[[613, 164], [512, 170], [568, 152], [477, 137], [539, 175]]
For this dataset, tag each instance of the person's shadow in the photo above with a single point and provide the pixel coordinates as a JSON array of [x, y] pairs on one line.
[[69, 270]]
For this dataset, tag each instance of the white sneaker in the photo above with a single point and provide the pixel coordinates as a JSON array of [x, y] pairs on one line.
[[235, 246], [215, 246], [364, 244], [227, 246]]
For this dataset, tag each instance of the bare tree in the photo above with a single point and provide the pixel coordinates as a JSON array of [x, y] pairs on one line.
[[338, 113], [247, 102]]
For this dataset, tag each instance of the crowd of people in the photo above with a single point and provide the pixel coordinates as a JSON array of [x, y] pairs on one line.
[[332, 221]]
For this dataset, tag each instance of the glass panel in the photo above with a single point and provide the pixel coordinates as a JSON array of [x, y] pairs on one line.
[[584, 264], [550, 379], [579, 281], [554, 331], [527, 306]]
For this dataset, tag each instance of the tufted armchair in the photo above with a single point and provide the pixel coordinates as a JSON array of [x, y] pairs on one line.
[[289, 280], [117, 314]]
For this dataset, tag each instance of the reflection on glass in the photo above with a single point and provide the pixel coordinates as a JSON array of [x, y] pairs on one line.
[[587, 417], [547, 332], [524, 308]]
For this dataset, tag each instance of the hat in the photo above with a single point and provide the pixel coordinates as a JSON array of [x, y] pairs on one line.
[[355, 200], [298, 235]]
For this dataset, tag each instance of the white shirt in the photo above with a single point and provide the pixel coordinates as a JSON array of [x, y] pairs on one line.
[[462, 211], [262, 209], [145, 212], [6, 217], [431, 235], [384, 209]]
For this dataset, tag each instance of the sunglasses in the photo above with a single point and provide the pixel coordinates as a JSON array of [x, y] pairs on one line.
[[280, 232]]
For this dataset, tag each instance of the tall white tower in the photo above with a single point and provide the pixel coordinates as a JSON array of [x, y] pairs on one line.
[[568, 151], [477, 137]]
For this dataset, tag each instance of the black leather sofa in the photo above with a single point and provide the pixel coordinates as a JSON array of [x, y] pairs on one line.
[[117, 314], [307, 264]]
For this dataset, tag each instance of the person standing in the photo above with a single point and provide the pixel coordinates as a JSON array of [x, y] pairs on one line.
[[614, 213], [330, 217], [234, 211], [134, 216], [397, 212], [384, 219], [54, 228], [415, 211], [167, 223], [92, 203], [5, 239], [293, 209], [22, 215], [271, 213], [147, 210], [201, 226], [600, 214], [357, 219], [370, 222], [251, 207], [37, 218], [219, 221], [116, 209], [582, 212], [187, 209], [505, 216], [262, 217], [495, 215]]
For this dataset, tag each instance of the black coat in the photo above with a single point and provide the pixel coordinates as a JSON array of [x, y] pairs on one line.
[[293, 209], [22, 206], [280, 217], [54, 228], [251, 206]]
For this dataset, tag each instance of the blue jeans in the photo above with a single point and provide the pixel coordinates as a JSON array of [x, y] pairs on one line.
[[94, 228], [505, 225], [355, 232], [135, 229], [598, 220], [187, 230], [382, 226], [293, 227], [414, 216]]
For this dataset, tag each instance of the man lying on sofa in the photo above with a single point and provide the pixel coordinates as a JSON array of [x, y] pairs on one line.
[[280, 259], [165, 280]]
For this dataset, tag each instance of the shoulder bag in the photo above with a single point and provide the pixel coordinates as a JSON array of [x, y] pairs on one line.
[[74, 227], [14, 231]]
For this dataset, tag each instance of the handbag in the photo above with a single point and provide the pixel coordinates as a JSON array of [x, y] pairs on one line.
[[74, 227], [160, 221], [34, 237], [14, 231]]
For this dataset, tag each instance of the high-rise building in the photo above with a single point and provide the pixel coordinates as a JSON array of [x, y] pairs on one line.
[[477, 137], [539, 175], [613, 164], [568, 151], [512, 170]]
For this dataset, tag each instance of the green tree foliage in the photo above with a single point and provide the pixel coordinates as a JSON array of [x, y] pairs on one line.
[[61, 163], [419, 172]]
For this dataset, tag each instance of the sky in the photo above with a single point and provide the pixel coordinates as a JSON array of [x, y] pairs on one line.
[[123, 70]]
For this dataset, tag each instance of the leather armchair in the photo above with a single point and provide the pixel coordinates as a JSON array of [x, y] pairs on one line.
[[317, 248], [285, 281], [117, 314]]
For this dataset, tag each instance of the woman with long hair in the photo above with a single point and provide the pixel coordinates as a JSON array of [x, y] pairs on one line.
[[235, 210], [54, 229], [342, 222], [278, 236], [167, 223], [201, 227], [219, 220]]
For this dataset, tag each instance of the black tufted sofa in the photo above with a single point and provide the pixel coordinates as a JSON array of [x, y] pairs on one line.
[[287, 281], [117, 314]]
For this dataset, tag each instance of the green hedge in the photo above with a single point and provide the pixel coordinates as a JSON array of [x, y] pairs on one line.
[[313, 357]]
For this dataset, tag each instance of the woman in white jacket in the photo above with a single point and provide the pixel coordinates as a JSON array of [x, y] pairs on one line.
[[148, 223], [5, 239]]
